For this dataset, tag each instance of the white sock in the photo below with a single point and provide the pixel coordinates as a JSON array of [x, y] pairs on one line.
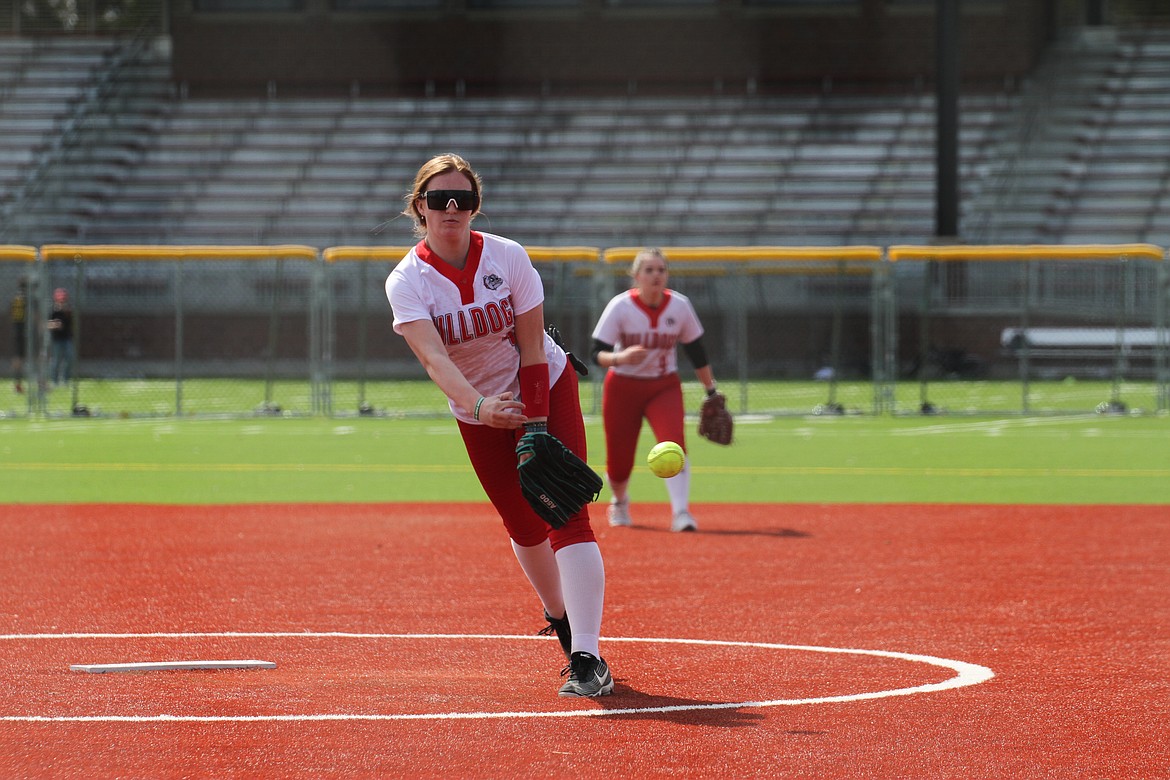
[[583, 585], [620, 491], [678, 488], [540, 567]]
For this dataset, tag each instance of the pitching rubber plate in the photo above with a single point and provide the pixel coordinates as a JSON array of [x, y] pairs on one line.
[[170, 666]]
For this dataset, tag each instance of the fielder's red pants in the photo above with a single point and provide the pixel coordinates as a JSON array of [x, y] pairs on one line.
[[625, 401]]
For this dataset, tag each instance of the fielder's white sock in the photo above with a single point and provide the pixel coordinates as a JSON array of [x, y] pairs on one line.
[[620, 492], [540, 567], [583, 585], [678, 488]]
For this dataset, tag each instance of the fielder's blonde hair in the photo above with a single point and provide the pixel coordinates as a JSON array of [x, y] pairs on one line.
[[641, 258]]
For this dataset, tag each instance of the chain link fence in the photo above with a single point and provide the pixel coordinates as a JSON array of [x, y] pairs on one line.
[[190, 331], [1029, 329]]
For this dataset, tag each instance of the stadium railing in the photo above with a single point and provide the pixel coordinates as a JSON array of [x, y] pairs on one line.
[[823, 330]]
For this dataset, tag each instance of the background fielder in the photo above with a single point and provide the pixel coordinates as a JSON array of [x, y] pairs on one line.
[[636, 338]]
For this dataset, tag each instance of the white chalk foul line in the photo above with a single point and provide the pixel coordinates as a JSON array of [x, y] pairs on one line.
[[966, 674]]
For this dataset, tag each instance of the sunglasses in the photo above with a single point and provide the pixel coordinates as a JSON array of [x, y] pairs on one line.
[[439, 200]]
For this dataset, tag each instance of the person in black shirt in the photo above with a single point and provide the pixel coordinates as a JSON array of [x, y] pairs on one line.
[[61, 338]]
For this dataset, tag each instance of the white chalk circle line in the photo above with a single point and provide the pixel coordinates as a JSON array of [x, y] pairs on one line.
[[966, 674]]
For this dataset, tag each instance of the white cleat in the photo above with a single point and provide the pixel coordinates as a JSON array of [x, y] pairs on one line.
[[619, 514], [683, 522]]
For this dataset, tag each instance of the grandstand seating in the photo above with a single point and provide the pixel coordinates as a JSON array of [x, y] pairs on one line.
[[597, 171], [39, 85], [86, 106], [1079, 155], [1089, 164]]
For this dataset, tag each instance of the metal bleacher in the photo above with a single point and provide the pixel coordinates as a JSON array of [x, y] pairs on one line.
[[1088, 163], [40, 83], [1079, 156], [598, 171], [74, 114]]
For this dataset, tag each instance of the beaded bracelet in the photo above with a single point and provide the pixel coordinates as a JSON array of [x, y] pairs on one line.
[[478, 404]]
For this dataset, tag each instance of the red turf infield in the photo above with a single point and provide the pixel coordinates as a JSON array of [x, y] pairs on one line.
[[1066, 605]]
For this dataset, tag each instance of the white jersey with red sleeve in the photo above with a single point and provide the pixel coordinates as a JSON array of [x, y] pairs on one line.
[[473, 310], [627, 321]]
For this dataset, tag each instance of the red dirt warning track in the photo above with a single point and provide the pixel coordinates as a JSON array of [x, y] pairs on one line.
[[780, 641]]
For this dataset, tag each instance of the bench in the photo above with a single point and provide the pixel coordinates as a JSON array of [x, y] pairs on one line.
[[1082, 345], [1062, 339]]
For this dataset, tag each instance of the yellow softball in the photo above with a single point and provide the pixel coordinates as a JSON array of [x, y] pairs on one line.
[[666, 459]]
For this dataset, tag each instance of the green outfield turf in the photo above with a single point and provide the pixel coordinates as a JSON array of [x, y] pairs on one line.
[[396, 398], [1090, 459]]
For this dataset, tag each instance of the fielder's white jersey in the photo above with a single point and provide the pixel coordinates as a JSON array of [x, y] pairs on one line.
[[627, 321], [474, 310]]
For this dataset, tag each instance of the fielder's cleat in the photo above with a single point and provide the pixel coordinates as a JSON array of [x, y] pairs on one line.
[[564, 634], [588, 677], [683, 522], [619, 514]]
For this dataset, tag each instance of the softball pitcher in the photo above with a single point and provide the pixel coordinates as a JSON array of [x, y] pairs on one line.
[[471, 307]]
